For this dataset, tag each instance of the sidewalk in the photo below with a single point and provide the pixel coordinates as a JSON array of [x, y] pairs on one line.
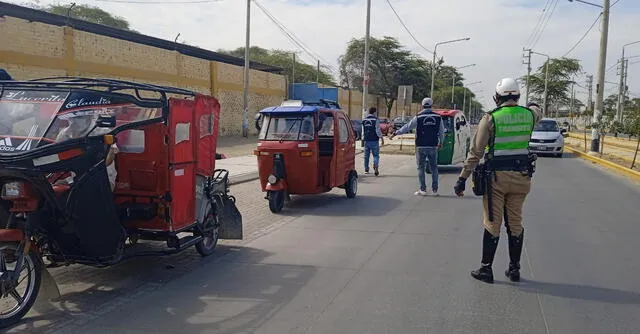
[[613, 151]]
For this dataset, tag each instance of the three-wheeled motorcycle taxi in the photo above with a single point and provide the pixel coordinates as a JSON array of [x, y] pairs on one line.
[[57, 203], [305, 148]]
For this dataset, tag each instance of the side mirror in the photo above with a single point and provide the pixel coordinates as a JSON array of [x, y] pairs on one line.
[[105, 121]]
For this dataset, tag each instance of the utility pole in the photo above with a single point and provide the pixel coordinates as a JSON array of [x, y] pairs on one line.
[[365, 70], [573, 97], [293, 77], [620, 89], [318, 73], [527, 61], [245, 97], [602, 64], [590, 89], [626, 88]]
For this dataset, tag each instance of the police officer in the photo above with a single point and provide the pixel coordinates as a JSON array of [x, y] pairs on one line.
[[502, 139], [429, 137], [372, 135]]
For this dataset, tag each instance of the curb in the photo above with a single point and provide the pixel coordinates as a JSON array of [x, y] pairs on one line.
[[246, 177], [609, 164]]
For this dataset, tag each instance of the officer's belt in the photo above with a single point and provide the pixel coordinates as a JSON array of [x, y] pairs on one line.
[[512, 163]]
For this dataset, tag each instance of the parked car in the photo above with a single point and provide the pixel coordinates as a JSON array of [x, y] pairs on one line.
[[356, 124], [399, 122], [547, 138], [385, 126]]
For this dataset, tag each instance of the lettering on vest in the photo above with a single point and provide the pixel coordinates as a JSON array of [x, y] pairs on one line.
[[513, 127], [369, 131], [427, 129]]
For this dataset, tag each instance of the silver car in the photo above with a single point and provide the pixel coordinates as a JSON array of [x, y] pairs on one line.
[[547, 138]]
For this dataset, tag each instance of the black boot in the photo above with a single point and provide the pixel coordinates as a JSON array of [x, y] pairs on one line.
[[489, 246], [515, 250]]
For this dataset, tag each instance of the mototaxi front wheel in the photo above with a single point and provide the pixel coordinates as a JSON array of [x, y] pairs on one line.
[[276, 200], [211, 233], [18, 296]]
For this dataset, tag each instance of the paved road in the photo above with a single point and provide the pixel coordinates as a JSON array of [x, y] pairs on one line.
[[388, 262]]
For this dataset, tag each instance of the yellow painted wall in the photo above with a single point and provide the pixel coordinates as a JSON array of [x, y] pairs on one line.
[[30, 50]]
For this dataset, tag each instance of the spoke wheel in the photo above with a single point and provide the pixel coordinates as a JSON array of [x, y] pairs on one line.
[[211, 234], [17, 296]]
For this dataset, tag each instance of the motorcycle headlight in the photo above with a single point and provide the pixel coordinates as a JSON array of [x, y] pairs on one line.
[[12, 190], [272, 179]]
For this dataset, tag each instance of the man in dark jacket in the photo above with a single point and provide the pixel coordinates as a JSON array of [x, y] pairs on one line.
[[372, 135], [429, 138]]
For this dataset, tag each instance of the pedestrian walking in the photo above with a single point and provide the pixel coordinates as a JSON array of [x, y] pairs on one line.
[[504, 179], [429, 138], [372, 136]]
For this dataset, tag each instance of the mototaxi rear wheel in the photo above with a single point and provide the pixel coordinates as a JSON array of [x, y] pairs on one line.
[[351, 187], [276, 200], [211, 233], [19, 303]]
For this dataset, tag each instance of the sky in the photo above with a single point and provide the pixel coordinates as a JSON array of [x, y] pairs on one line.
[[499, 30]]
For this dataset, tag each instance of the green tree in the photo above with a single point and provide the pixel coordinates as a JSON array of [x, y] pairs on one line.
[[391, 65], [561, 73], [284, 59], [84, 12]]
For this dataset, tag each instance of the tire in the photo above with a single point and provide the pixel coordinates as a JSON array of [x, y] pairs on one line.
[[33, 263], [276, 200], [559, 155], [208, 245], [351, 187]]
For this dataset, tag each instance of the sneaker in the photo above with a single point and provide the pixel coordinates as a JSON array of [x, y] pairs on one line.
[[375, 170], [366, 172], [420, 193], [435, 193]]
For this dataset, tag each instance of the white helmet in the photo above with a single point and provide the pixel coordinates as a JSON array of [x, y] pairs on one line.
[[507, 87], [427, 102]]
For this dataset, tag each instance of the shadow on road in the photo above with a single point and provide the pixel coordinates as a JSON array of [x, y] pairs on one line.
[[88, 290], [581, 292], [235, 296]]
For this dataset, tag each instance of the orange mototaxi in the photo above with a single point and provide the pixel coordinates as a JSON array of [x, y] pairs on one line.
[[305, 148], [56, 200]]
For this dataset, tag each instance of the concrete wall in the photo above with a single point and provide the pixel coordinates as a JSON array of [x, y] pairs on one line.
[[30, 50]]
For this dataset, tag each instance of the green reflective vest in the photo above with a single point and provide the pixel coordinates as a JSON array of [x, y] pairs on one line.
[[512, 131]]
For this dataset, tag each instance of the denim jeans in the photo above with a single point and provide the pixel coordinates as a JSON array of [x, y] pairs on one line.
[[372, 147], [430, 154]]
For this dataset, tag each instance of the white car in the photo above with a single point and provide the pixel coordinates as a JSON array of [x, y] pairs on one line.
[[547, 138]]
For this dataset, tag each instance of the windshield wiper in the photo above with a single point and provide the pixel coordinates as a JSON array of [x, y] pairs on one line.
[[289, 131]]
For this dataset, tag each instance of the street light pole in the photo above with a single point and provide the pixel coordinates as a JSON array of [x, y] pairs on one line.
[[245, 97], [546, 81], [433, 63], [453, 84], [464, 99], [365, 70]]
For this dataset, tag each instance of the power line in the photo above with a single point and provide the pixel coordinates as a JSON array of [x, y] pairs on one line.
[[153, 2], [294, 39], [537, 26], [584, 36], [406, 28], [544, 26]]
